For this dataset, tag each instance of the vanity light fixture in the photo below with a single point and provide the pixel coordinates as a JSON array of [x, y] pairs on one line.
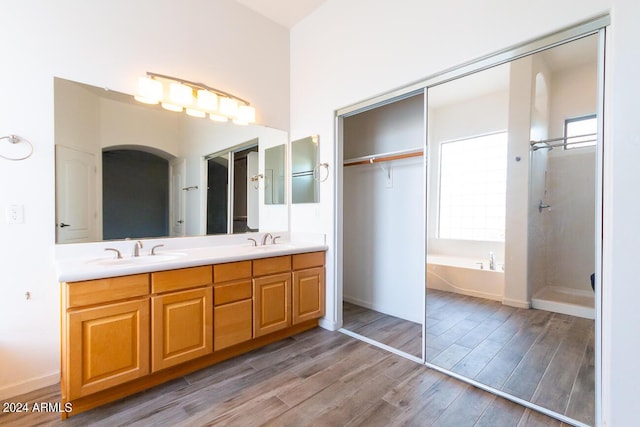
[[149, 90], [196, 99]]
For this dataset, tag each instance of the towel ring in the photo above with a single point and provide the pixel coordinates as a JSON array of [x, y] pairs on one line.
[[256, 180], [14, 139], [316, 172]]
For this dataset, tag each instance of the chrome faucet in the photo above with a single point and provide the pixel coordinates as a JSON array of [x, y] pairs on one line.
[[153, 249], [136, 248], [492, 261], [118, 254], [266, 236]]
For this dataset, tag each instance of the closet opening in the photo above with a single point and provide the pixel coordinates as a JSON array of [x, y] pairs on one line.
[[383, 187], [496, 205]]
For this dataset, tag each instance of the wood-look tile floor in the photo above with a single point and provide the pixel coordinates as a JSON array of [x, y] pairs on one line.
[[539, 356], [317, 378], [398, 333]]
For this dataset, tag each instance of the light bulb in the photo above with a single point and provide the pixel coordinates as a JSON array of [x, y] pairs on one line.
[[196, 113], [172, 107], [180, 94], [229, 107], [149, 90], [246, 114], [207, 101], [217, 117]]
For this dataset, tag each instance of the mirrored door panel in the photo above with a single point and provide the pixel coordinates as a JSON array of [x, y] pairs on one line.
[[511, 227]]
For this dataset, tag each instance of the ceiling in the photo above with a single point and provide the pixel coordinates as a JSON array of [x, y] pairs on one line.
[[285, 12]]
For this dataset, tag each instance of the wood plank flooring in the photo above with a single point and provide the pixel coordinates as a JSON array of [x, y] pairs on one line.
[[539, 356], [392, 331], [318, 378]]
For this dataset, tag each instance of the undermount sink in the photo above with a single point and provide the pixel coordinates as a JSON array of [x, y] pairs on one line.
[[143, 259]]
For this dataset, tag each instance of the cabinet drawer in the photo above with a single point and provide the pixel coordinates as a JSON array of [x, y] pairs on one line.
[[266, 266], [99, 291], [309, 260], [184, 278], [231, 271], [230, 292]]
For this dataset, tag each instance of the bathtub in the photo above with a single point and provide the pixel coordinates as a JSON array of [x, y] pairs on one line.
[[464, 276]]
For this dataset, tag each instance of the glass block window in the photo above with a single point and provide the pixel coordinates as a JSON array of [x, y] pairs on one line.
[[473, 183]]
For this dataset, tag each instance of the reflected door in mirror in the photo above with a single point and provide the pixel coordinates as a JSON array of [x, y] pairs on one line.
[[76, 196]]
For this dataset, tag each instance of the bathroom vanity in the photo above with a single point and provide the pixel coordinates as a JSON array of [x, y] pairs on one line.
[[130, 324]]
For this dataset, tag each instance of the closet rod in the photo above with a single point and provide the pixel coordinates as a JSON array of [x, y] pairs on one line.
[[376, 158], [561, 144]]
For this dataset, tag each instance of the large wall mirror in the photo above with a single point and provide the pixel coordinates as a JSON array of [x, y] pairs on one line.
[[128, 170], [512, 227], [304, 164], [502, 167]]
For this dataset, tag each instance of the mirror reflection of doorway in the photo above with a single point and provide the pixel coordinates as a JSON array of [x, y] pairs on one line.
[[232, 198], [135, 192]]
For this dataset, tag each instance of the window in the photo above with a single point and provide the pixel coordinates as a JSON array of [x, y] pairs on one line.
[[473, 182], [580, 132]]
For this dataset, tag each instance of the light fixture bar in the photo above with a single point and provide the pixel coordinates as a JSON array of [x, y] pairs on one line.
[[198, 86]]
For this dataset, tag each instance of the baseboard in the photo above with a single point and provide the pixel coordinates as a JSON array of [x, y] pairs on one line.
[[516, 303], [378, 308], [30, 385], [328, 324], [465, 291], [359, 302]]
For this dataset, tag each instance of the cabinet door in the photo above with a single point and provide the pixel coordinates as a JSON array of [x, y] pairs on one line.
[[232, 324], [109, 345], [181, 327], [308, 294], [271, 304]]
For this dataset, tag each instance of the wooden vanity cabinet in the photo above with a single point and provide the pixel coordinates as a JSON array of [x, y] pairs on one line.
[[308, 287], [232, 311], [125, 334], [181, 320], [271, 295], [105, 334]]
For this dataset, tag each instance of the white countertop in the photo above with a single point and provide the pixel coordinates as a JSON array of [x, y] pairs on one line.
[[76, 269]]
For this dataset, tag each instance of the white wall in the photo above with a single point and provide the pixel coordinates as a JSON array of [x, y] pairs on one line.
[[348, 51], [516, 264], [107, 44]]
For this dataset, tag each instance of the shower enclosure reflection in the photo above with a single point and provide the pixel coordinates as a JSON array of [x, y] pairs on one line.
[[512, 225]]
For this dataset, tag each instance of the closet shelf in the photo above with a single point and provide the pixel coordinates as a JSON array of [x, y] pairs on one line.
[[384, 157]]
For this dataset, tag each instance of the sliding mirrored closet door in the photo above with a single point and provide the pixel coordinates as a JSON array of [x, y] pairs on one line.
[[512, 193], [383, 223]]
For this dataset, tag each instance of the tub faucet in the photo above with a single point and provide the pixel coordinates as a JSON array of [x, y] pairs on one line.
[[492, 261]]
